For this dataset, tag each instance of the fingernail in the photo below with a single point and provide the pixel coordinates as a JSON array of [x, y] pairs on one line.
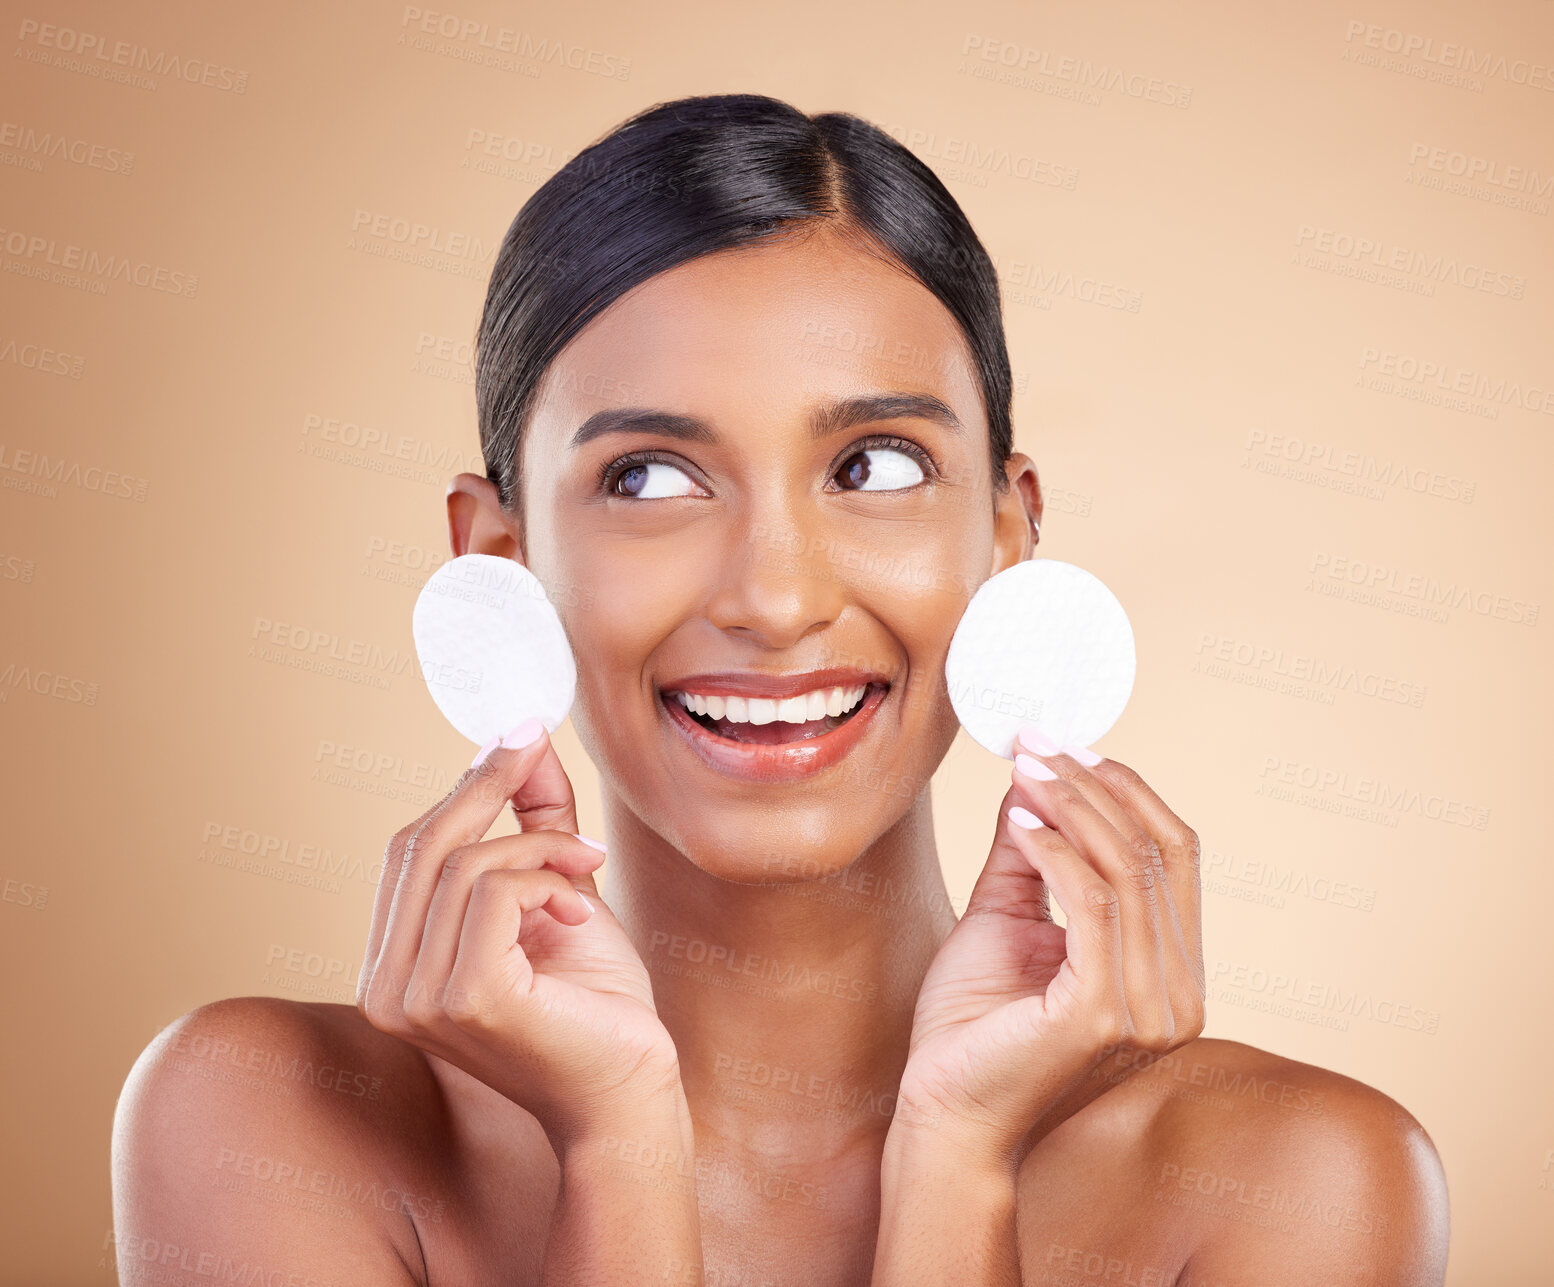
[[1038, 741], [588, 903], [594, 843], [1025, 818], [525, 734], [1033, 768], [480, 755], [1084, 755]]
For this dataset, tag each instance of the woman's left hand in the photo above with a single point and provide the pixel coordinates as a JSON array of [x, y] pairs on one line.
[[1019, 1022]]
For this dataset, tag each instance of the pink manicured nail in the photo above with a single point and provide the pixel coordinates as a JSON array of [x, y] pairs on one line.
[[480, 755], [1025, 818], [1038, 741], [1034, 768], [594, 843], [1084, 755], [588, 903], [525, 734]]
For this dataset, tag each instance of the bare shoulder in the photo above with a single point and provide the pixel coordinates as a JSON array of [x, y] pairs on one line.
[[261, 1134], [1289, 1173]]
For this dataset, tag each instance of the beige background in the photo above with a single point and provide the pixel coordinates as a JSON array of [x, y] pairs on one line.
[[171, 492]]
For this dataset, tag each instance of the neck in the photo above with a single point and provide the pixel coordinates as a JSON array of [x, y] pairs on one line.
[[790, 1004]]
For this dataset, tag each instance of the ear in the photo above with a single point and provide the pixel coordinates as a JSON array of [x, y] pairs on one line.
[[477, 523], [1013, 510]]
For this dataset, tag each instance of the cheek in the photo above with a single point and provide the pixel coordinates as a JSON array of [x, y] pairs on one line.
[[918, 597], [923, 621], [637, 598]]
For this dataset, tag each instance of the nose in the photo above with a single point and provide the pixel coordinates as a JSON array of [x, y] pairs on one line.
[[777, 582]]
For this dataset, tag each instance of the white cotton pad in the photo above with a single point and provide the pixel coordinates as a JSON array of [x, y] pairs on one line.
[[1043, 642], [492, 648]]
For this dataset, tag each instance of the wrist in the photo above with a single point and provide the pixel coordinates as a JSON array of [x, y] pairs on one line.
[[945, 1215], [653, 1151], [925, 1142], [649, 1113]]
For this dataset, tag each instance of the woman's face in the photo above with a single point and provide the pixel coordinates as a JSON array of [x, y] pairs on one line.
[[731, 520]]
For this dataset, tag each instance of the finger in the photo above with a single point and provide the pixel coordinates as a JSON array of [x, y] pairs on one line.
[[1127, 864], [1093, 934], [1075, 770], [462, 817], [570, 856], [544, 801], [393, 870], [1177, 841], [382, 900], [1179, 850], [489, 964], [1181, 960], [1008, 883], [1176, 881]]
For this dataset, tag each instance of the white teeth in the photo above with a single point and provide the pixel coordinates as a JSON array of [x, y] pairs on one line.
[[764, 710]]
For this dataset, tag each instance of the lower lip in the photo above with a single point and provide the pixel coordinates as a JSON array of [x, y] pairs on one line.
[[779, 762]]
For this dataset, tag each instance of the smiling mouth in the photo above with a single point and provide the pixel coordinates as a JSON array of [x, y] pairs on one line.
[[773, 732], [729, 728]]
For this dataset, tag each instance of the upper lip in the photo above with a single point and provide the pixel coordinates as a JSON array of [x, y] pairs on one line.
[[746, 683]]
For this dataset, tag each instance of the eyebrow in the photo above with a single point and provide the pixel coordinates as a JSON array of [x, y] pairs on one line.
[[825, 420]]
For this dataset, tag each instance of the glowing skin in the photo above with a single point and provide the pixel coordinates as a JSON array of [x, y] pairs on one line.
[[751, 569], [765, 563], [746, 554]]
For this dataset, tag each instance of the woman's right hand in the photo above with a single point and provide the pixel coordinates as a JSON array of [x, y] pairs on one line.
[[555, 1010]]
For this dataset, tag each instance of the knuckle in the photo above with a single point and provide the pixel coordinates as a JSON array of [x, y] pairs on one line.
[[1103, 901], [418, 844], [497, 883], [380, 1010], [1188, 846], [1119, 772], [1140, 872], [1190, 1015], [464, 1004], [482, 779], [454, 865], [1114, 1027], [1157, 1037], [394, 851], [1146, 851], [1063, 792], [396, 859], [491, 780], [420, 1004], [490, 881]]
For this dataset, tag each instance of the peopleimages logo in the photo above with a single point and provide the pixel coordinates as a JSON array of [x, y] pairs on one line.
[[1446, 53], [1375, 252], [62, 147], [1291, 994], [1332, 572], [94, 54], [37, 256]]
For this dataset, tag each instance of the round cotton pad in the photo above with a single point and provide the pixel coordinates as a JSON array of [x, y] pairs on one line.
[[1042, 642], [492, 648]]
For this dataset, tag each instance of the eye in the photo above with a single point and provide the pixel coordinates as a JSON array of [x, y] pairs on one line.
[[889, 465], [646, 477]]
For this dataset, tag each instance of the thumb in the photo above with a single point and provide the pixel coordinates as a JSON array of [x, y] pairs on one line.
[[1009, 883], [545, 801]]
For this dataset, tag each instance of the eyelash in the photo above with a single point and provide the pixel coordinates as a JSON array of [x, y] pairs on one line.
[[610, 473]]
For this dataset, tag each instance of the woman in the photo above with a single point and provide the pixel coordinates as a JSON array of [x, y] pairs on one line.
[[742, 381]]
